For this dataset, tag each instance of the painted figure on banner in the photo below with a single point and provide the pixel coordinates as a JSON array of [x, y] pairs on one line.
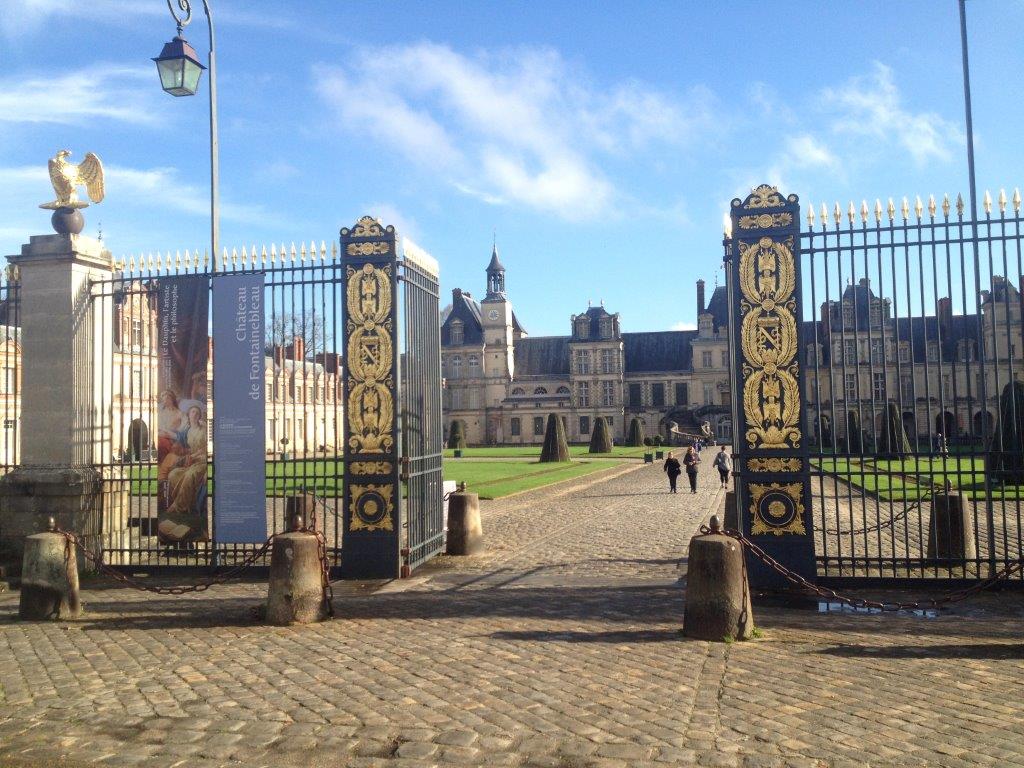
[[182, 441]]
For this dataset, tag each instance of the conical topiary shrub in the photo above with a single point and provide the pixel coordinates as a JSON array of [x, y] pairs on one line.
[[892, 440], [601, 439], [457, 435], [854, 437], [1007, 452], [635, 438], [555, 446]]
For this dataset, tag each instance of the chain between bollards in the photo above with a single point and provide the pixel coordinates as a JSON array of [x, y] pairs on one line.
[[714, 528]]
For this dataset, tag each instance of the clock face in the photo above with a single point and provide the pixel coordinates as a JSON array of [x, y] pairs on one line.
[[493, 314]]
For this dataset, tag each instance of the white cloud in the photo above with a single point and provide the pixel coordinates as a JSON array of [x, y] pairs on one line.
[[872, 106], [522, 127], [389, 214], [102, 91], [683, 326]]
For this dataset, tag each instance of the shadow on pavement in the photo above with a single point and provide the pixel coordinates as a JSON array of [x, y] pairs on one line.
[[949, 651], [621, 636]]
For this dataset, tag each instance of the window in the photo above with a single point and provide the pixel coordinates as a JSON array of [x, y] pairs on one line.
[[562, 391], [725, 358], [657, 394], [851, 352], [847, 315], [136, 333], [582, 361], [876, 313], [606, 327], [947, 387], [538, 425], [456, 398], [709, 395], [456, 366], [635, 394], [540, 391], [682, 395], [584, 425], [515, 426], [876, 351], [583, 327], [904, 352], [705, 359], [933, 351], [608, 361], [583, 394], [474, 398], [607, 393], [455, 333], [518, 391], [611, 421], [878, 386], [966, 351], [811, 357], [474, 366], [851, 386], [8, 382], [907, 388]]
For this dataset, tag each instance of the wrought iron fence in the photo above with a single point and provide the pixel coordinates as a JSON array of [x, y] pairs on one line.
[[913, 350], [302, 312], [10, 369]]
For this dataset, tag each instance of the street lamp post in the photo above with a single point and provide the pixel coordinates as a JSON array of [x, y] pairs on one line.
[[180, 69]]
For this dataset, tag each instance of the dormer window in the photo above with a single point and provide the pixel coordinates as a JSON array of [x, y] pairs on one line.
[[606, 327], [583, 328], [456, 333]]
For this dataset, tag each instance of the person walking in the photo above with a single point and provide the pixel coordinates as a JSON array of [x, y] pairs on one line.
[[690, 461], [673, 470], [723, 463]]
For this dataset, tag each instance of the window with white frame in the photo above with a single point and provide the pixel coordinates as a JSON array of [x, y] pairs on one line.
[[904, 352], [607, 393], [582, 361], [709, 394], [137, 333], [455, 365], [608, 361], [878, 386], [540, 391], [850, 347], [725, 358], [705, 359], [907, 388], [851, 386], [538, 425], [583, 394], [455, 332], [473, 364], [877, 349]]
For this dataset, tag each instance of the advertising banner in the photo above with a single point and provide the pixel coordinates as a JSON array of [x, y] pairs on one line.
[[183, 350], [239, 437]]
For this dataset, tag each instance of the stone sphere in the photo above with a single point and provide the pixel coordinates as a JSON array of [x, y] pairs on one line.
[[67, 221]]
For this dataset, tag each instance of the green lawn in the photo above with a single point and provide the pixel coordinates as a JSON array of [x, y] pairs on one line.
[[910, 479], [526, 451], [491, 479]]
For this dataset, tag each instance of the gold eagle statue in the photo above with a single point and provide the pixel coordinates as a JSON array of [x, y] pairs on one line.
[[66, 176]]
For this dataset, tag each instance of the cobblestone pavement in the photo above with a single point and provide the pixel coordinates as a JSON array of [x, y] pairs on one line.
[[558, 648]]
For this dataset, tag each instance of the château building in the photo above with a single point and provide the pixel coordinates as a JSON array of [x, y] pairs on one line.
[[502, 383]]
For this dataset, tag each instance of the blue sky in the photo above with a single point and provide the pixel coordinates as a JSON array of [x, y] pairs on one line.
[[601, 141]]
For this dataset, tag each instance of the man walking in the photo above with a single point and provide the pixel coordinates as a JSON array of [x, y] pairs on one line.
[[723, 463]]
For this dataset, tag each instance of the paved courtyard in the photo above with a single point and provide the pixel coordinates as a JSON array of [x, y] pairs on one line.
[[558, 648]]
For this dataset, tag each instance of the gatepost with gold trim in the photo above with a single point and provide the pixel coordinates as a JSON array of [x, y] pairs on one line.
[[773, 478], [370, 538]]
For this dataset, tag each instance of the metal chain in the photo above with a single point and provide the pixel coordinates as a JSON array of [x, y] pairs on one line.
[[884, 524], [108, 570], [858, 602]]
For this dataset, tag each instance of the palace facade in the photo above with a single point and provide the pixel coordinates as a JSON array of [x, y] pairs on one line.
[[502, 383]]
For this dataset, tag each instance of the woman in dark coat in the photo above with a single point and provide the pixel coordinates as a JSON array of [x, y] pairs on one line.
[[690, 461], [673, 470]]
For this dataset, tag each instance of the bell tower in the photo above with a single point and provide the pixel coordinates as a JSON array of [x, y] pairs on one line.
[[499, 354]]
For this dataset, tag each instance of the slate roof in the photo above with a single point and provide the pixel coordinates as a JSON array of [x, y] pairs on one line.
[[919, 331], [495, 264], [542, 356], [595, 315], [718, 307], [658, 351], [466, 309]]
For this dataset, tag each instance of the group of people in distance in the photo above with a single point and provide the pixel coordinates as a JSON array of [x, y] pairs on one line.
[[673, 468]]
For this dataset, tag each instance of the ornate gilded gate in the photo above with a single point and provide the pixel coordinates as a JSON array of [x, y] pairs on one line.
[[392, 425]]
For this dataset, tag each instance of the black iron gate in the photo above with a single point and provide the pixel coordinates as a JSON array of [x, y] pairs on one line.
[[911, 359]]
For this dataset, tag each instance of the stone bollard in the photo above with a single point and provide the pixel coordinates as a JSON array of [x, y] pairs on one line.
[[49, 577], [950, 532], [295, 594], [465, 533], [303, 504], [717, 594], [731, 516]]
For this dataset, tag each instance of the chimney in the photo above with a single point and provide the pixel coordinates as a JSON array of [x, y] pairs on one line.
[[456, 294], [700, 297], [944, 311], [278, 355], [298, 348]]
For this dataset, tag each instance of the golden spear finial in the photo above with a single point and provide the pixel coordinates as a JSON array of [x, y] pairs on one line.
[[863, 211], [959, 205], [1016, 200], [986, 203], [931, 206], [905, 209], [878, 211], [1002, 201], [945, 206], [918, 207], [891, 210]]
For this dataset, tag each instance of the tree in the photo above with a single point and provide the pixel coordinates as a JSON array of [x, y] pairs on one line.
[[854, 436], [1006, 456], [282, 328], [457, 435], [893, 441], [601, 439], [636, 433], [555, 446]]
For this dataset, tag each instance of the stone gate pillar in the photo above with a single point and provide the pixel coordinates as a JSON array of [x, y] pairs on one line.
[[66, 377], [773, 481]]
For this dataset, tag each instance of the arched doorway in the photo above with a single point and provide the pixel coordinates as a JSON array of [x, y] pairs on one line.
[[946, 424], [910, 426], [984, 425], [138, 439]]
